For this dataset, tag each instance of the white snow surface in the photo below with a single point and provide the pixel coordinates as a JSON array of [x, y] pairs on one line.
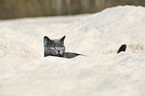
[[25, 72]]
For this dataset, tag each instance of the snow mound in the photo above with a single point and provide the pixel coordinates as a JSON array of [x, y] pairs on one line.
[[25, 72]]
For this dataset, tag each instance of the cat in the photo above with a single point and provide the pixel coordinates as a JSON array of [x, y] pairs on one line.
[[56, 47]]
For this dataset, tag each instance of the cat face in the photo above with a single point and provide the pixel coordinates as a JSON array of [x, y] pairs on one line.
[[54, 47]]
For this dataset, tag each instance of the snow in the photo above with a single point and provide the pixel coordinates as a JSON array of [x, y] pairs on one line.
[[25, 72]]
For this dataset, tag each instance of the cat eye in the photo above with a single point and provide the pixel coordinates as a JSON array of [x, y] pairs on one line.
[[61, 47], [46, 45], [52, 47]]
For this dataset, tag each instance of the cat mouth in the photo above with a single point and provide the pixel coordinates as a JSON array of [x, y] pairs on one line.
[[60, 55]]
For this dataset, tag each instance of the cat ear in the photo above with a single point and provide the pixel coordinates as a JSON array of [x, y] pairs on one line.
[[62, 39], [46, 40]]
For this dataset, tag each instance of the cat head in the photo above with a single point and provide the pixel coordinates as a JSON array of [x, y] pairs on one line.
[[54, 47]]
